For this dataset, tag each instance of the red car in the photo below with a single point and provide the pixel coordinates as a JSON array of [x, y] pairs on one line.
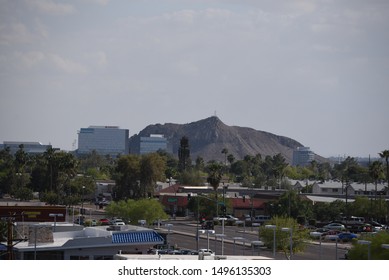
[[104, 222]]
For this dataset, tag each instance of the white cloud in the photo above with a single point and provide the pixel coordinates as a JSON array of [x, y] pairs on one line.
[[30, 59], [98, 58], [15, 33], [66, 65]]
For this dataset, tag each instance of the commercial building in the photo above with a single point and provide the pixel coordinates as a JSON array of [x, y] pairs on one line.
[[74, 242], [153, 143], [105, 140], [303, 156], [28, 147]]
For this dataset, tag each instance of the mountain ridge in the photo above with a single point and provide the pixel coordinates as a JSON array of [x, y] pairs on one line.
[[208, 137]]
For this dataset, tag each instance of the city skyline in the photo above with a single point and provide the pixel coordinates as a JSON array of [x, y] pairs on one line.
[[314, 71]]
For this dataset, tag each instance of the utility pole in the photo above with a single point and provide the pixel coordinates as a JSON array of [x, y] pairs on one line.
[[10, 238]]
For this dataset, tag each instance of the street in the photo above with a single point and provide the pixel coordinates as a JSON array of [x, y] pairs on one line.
[[183, 235]]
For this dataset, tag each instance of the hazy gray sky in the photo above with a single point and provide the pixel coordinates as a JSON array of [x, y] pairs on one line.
[[315, 71]]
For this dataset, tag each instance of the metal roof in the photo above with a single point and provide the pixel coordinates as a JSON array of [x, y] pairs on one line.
[[137, 237]]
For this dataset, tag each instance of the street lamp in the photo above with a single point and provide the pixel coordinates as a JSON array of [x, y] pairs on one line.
[[235, 239], [55, 215], [256, 243], [317, 234], [334, 237], [82, 200], [208, 232], [222, 239], [169, 226], [290, 230], [142, 222], [273, 227], [368, 243]]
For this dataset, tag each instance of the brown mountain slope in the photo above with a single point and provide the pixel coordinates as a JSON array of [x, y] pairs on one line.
[[208, 137]]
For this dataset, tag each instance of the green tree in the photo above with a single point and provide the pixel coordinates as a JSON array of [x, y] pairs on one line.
[[215, 174], [135, 210], [152, 169], [376, 173], [127, 176], [7, 171], [225, 152], [360, 251], [299, 236], [385, 155]]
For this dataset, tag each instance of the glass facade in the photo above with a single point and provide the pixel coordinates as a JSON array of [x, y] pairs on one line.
[[152, 144], [303, 156], [105, 140]]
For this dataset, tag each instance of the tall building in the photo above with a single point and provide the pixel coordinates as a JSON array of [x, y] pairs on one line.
[[105, 140], [152, 144], [303, 156]]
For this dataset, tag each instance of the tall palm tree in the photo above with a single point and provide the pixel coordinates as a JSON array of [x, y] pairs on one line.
[[385, 154], [215, 174], [225, 152], [375, 170]]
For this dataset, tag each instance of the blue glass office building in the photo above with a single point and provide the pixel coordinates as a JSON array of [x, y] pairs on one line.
[[105, 140], [152, 144]]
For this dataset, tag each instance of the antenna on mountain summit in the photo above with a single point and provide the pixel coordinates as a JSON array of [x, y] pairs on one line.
[[215, 114]]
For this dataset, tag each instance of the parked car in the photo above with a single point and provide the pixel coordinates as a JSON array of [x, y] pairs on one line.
[[207, 225], [105, 222], [231, 218], [206, 251], [346, 236], [261, 219], [335, 226], [118, 222]]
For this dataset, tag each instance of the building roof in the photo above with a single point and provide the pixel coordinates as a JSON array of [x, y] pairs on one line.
[[96, 237]]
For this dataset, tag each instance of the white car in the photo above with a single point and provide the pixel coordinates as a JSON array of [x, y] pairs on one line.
[[206, 252], [118, 222]]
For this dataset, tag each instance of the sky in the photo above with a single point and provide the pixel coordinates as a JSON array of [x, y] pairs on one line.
[[314, 71]]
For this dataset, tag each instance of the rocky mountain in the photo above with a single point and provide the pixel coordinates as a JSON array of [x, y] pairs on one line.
[[208, 137]]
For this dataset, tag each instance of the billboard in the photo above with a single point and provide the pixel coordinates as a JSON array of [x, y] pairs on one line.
[[34, 213]]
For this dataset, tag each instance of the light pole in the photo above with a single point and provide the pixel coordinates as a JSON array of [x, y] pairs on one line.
[[142, 222], [273, 227], [169, 226], [317, 234], [82, 200], [235, 239], [208, 232], [55, 215], [368, 243], [222, 239], [256, 243], [290, 230], [334, 237]]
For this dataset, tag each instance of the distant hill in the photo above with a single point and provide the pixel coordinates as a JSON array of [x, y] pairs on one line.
[[208, 137]]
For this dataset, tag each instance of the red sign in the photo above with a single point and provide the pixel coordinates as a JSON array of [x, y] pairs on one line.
[[34, 213]]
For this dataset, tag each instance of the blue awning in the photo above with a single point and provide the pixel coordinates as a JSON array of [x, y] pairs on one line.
[[137, 237]]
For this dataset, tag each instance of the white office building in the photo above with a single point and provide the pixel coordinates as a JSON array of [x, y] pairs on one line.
[[105, 140], [303, 156]]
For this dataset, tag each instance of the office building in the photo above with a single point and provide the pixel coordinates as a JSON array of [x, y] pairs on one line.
[[105, 140], [29, 147], [303, 156], [152, 144]]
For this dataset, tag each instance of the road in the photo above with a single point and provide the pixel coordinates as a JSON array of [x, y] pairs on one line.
[[183, 234]]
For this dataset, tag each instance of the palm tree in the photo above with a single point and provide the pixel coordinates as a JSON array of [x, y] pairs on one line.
[[225, 152], [375, 172], [385, 154], [215, 173]]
